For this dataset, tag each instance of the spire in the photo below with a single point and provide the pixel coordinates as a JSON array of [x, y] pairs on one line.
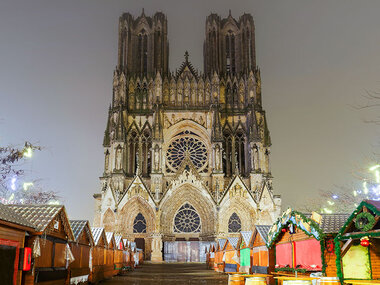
[[266, 139], [253, 129], [217, 127], [120, 129], [107, 139], [157, 127], [186, 56]]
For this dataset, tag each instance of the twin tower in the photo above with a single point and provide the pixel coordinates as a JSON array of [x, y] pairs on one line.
[[186, 152], [143, 49]]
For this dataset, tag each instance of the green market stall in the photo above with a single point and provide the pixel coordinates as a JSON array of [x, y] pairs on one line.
[[245, 251], [357, 244]]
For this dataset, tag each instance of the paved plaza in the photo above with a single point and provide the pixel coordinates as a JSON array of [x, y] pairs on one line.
[[170, 274]]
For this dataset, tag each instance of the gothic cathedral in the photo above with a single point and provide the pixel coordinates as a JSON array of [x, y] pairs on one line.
[[186, 153]]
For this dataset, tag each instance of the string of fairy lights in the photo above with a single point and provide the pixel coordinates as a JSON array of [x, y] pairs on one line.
[[26, 186], [370, 190]]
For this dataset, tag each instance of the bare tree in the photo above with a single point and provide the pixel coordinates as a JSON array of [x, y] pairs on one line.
[[12, 169]]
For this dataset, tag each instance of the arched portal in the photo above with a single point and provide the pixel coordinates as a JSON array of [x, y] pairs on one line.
[[198, 203]]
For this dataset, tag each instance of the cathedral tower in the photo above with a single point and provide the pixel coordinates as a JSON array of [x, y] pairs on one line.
[[186, 153]]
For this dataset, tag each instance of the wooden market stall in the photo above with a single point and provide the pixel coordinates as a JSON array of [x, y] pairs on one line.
[[304, 243], [127, 254], [231, 255], [81, 246], [49, 243], [119, 254], [14, 257], [98, 261], [358, 244], [134, 254], [219, 262], [109, 269], [262, 258], [211, 256], [140, 255]]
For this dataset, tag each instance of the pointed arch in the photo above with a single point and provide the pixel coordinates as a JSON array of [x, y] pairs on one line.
[[240, 150], [146, 163], [228, 153], [130, 211], [234, 223], [139, 224], [187, 193], [187, 220], [109, 220]]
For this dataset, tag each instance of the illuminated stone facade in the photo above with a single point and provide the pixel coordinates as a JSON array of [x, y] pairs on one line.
[[186, 153]]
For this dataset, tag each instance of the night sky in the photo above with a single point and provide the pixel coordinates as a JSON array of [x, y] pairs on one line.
[[317, 59]]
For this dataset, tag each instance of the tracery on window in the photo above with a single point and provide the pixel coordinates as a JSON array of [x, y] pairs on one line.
[[187, 145], [240, 150], [139, 224], [227, 153], [234, 224], [187, 220]]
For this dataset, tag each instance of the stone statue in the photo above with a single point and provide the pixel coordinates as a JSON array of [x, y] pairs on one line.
[[107, 160], [118, 159], [217, 158], [256, 157], [156, 158]]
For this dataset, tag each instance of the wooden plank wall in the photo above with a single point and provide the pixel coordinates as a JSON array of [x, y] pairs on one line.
[[374, 251], [330, 259]]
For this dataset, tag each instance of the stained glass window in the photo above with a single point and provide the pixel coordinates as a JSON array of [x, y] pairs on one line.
[[234, 224], [187, 146], [187, 220], [139, 224]]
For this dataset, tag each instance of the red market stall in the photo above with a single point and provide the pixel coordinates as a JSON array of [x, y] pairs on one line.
[[358, 244], [14, 257], [304, 243], [80, 247]]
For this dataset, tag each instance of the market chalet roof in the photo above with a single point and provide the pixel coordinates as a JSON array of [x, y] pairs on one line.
[[221, 242], [263, 231], [9, 215], [109, 236], [373, 203], [246, 236], [233, 241], [78, 226], [118, 240], [39, 215], [97, 233], [332, 223]]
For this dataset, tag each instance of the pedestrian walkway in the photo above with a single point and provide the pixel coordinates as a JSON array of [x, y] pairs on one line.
[[170, 274]]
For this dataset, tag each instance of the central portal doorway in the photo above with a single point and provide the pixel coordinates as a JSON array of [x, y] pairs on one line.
[[185, 251]]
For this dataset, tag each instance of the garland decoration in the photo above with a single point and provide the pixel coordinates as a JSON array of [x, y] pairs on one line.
[[341, 237], [290, 269], [365, 221], [308, 226]]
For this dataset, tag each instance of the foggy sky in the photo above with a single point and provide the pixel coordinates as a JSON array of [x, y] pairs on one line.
[[316, 57]]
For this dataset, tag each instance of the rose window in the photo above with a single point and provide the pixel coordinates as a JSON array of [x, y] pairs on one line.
[[187, 220], [190, 147]]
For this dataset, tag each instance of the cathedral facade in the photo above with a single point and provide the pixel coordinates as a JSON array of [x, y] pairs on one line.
[[187, 154]]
